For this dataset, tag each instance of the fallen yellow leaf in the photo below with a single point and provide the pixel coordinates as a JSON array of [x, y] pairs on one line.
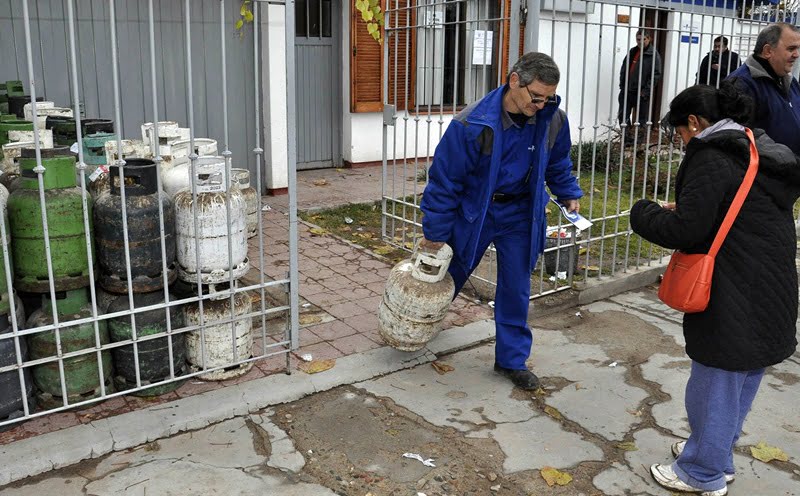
[[383, 250], [553, 412], [766, 453], [316, 366], [321, 182], [553, 477], [309, 318], [442, 368], [318, 231], [627, 446]]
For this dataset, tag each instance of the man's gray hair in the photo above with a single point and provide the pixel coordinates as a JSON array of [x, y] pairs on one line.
[[536, 66], [771, 34]]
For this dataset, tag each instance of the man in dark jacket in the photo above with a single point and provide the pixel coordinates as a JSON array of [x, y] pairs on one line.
[[638, 77], [767, 76], [486, 185], [718, 63]]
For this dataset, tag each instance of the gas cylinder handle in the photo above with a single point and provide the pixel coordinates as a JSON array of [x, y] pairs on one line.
[[431, 267]]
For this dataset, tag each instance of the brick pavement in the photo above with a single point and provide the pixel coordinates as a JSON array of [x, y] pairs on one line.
[[340, 288]]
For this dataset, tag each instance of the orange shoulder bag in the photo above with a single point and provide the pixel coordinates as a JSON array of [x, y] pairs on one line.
[[686, 285]]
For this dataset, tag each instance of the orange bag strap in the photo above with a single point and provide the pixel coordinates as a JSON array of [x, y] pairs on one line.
[[738, 200]]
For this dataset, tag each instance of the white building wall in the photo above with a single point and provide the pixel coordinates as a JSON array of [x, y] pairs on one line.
[[273, 57]]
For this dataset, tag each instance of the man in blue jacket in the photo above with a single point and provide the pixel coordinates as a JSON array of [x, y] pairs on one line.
[[486, 185], [767, 76]]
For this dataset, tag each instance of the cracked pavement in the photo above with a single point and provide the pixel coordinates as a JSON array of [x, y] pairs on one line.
[[611, 404]]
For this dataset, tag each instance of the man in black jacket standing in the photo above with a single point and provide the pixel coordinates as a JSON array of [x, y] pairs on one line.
[[718, 63], [638, 76]]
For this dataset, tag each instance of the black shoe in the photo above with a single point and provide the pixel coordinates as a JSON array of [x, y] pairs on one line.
[[523, 379]]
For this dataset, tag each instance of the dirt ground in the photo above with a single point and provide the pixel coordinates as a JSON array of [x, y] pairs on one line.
[[355, 455]]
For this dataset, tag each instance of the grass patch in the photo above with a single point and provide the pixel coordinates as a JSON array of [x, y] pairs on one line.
[[364, 230]]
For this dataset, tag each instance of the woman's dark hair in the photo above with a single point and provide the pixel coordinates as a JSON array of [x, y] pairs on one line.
[[712, 104]]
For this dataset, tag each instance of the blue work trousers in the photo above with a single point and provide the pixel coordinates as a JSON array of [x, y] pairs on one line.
[[508, 226], [717, 402]]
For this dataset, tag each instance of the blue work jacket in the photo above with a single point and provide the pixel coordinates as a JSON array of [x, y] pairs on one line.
[[777, 112], [463, 175]]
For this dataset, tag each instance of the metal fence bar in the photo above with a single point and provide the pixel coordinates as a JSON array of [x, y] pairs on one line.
[[121, 163], [81, 166], [258, 151], [39, 170], [156, 149], [291, 126]]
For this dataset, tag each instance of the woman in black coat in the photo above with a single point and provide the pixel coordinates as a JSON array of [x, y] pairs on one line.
[[750, 320]]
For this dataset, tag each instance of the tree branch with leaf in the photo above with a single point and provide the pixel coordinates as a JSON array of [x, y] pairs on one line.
[[372, 14], [245, 16]]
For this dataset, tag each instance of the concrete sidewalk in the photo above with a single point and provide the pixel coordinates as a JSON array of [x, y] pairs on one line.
[[612, 403], [614, 373]]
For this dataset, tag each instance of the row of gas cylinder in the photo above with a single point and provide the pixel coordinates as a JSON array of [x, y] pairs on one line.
[[83, 375], [200, 223], [164, 348]]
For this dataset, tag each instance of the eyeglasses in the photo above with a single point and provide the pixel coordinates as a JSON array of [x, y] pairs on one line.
[[538, 100]]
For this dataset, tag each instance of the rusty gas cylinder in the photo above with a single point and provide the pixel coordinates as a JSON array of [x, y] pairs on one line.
[[144, 230], [152, 355], [221, 343], [210, 230], [11, 397], [416, 299]]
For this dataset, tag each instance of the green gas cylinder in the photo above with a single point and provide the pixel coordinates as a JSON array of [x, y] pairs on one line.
[[65, 224], [81, 372]]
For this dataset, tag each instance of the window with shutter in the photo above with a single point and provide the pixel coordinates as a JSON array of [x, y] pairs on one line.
[[366, 65], [366, 60], [430, 54]]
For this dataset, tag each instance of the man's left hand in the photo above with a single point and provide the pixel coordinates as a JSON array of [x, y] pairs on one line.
[[572, 205]]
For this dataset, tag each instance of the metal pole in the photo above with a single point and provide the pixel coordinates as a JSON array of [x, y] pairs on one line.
[[291, 129], [123, 201], [39, 170], [532, 26], [84, 203], [513, 33], [156, 147]]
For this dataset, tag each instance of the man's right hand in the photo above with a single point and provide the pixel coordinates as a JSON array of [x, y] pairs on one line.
[[430, 246]]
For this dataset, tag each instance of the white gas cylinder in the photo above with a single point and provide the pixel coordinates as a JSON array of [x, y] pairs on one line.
[[213, 231], [43, 112], [416, 299], [11, 153], [203, 147], [216, 340], [167, 131], [241, 179], [130, 148], [179, 177], [45, 137]]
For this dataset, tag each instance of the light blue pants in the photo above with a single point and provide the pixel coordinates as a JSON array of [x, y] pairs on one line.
[[717, 402], [508, 226]]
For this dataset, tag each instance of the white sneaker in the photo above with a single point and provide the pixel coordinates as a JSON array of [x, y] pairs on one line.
[[667, 478], [677, 449]]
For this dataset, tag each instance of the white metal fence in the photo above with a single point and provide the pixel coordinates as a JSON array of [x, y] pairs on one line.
[[208, 311], [617, 160]]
